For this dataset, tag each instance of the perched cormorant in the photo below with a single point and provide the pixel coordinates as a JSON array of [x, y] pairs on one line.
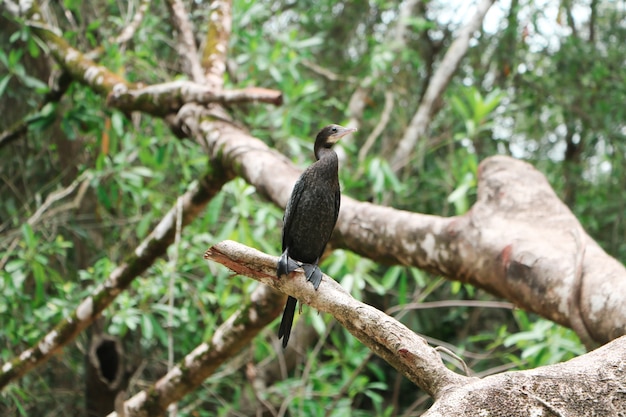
[[310, 218]]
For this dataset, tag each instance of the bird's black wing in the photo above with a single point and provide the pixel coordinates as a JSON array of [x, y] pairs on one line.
[[292, 207], [337, 205]]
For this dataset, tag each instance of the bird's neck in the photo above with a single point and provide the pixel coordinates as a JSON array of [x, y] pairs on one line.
[[323, 152], [327, 165]]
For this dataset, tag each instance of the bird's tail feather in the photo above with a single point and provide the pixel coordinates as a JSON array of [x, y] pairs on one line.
[[284, 331]]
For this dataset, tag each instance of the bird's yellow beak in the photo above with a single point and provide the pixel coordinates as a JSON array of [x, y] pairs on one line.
[[341, 132]]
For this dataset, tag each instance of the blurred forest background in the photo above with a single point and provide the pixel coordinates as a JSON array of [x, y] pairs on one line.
[[544, 81]]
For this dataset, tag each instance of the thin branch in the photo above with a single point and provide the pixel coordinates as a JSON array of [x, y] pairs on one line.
[[126, 35], [449, 352], [54, 95], [396, 42], [388, 338], [130, 29], [187, 48], [16, 131], [451, 303], [82, 181], [58, 195], [380, 127], [328, 74], [152, 247], [439, 82]]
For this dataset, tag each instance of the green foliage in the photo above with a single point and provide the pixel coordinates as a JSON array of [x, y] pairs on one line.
[[542, 342], [515, 94], [475, 110]]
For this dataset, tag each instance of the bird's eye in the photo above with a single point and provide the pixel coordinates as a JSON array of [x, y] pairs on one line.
[[334, 130]]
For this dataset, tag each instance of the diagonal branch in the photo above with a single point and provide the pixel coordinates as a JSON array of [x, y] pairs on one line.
[[152, 247], [385, 336], [598, 374], [439, 82], [56, 93], [186, 49], [82, 181], [79, 67], [130, 29], [229, 338]]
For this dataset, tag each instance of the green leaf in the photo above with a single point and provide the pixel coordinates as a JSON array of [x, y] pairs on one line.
[[214, 209], [34, 83], [117, 122], [29, 236], [391, 276], [4, 81], [33, 48]]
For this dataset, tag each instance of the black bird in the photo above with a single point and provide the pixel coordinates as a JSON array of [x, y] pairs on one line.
[[310, 217]]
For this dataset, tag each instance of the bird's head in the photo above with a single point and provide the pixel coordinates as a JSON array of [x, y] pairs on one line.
[[329, 135]]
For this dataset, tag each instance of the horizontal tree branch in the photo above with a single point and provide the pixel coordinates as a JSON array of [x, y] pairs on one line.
[[163, 99], [385, 336], [157, 100], [518, 241]]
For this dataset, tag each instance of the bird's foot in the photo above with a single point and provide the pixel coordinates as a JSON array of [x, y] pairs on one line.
[[313, 274], [286, 265]]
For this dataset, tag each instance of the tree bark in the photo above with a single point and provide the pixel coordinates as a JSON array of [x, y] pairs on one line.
[[593, 384]]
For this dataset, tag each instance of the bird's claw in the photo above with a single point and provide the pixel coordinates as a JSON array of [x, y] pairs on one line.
[[313, 274], [286, 265]]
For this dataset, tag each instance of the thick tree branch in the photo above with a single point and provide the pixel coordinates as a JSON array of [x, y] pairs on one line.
[[388, 338], [158, 100], [595, 385], [516, 242], [439, 82], [152, 247]]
